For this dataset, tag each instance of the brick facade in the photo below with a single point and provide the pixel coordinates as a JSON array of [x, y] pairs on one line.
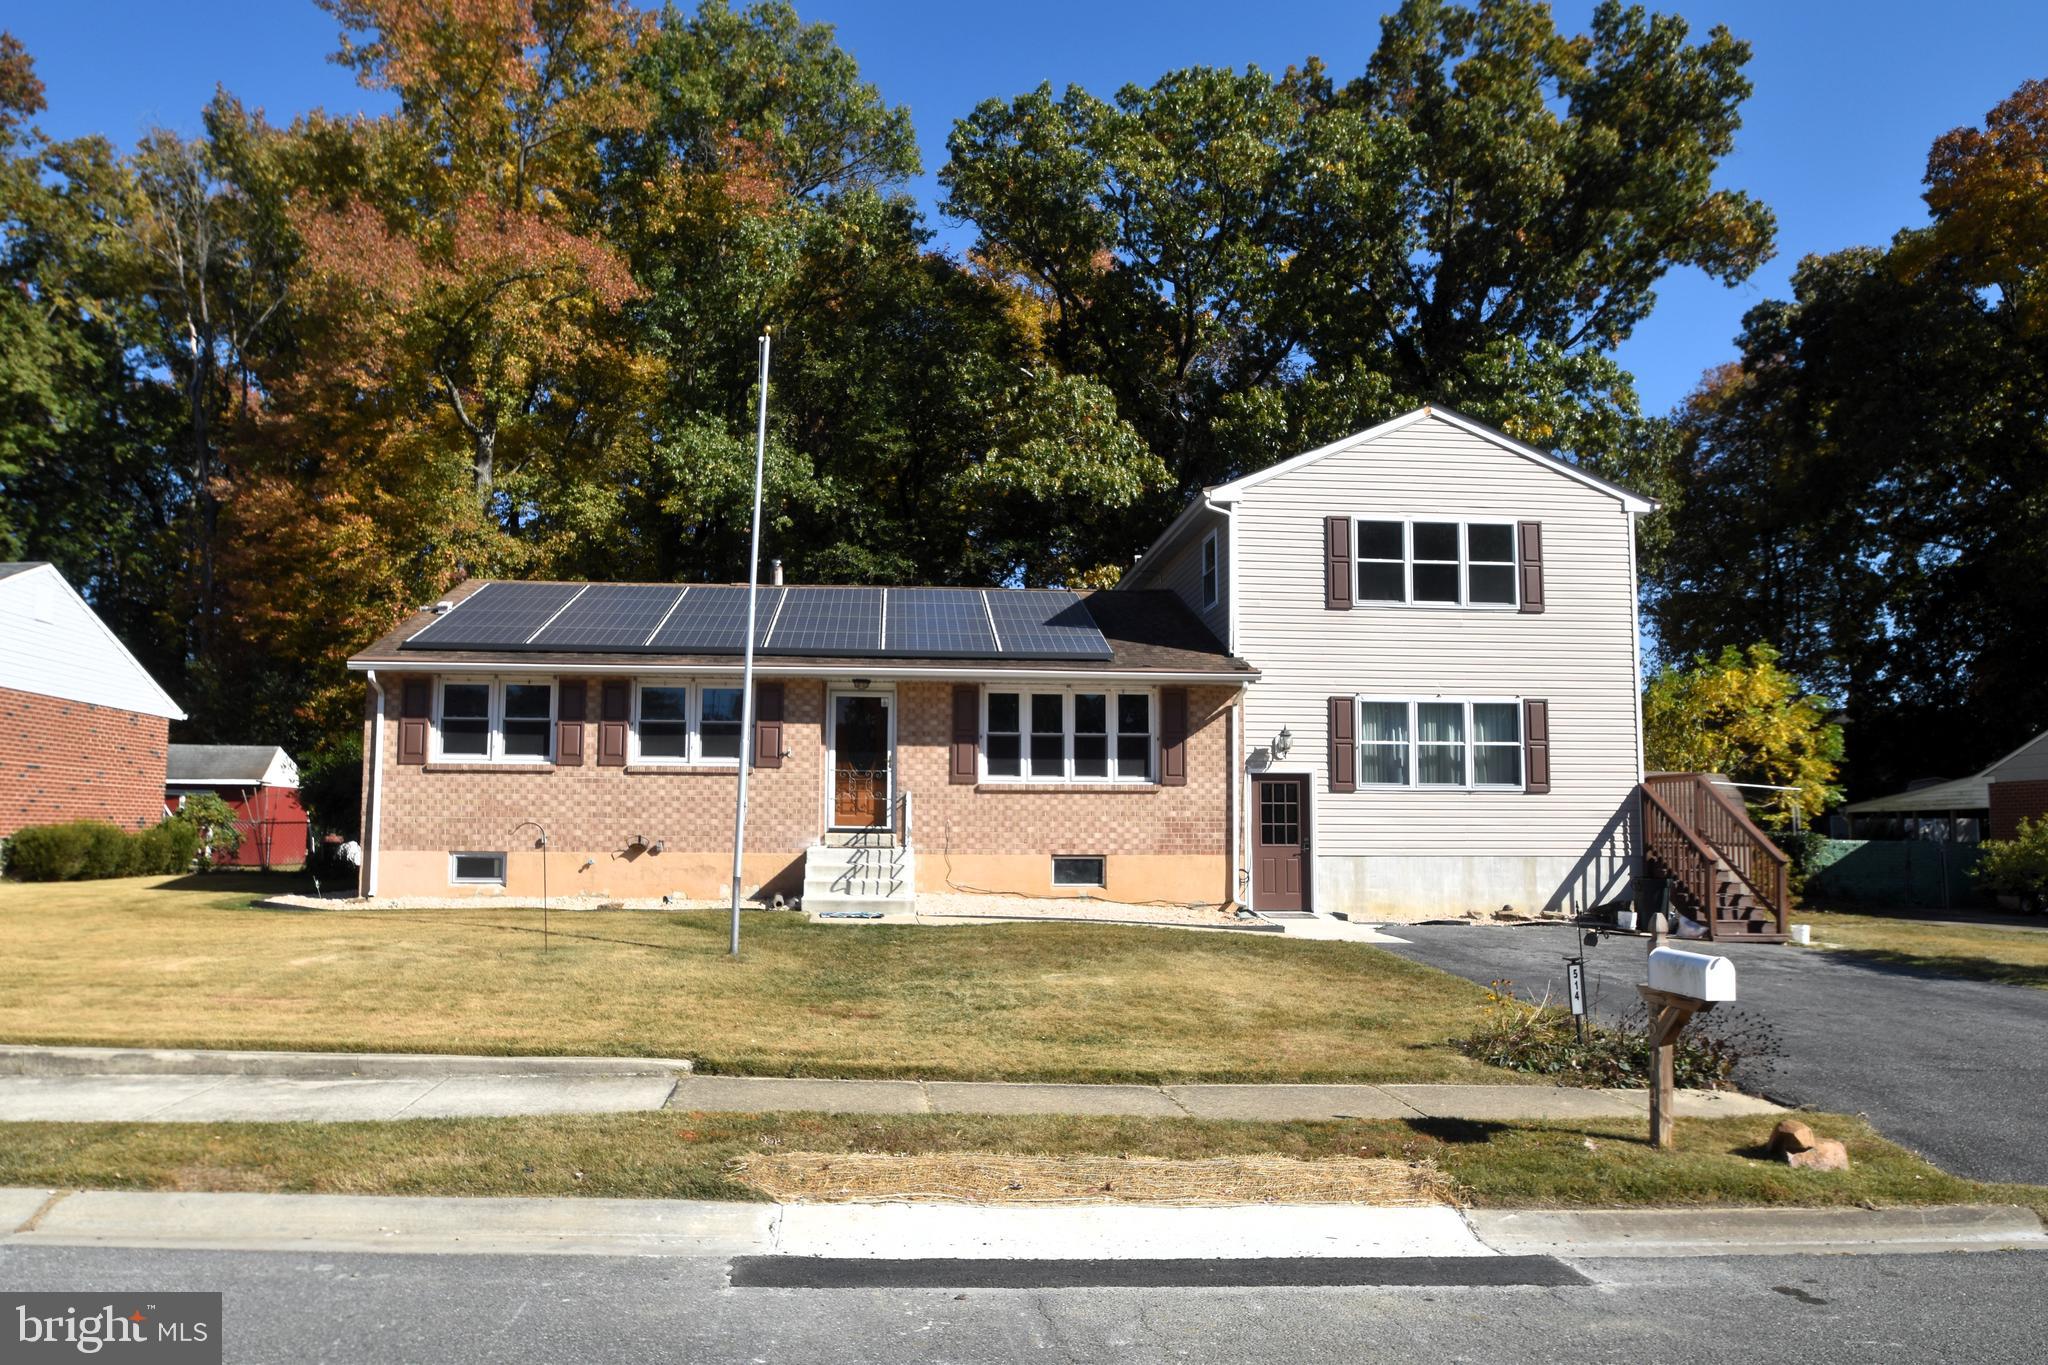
[[1160, 842], [70, 760], [2012, 802]]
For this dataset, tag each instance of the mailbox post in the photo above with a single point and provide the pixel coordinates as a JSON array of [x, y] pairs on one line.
[[1681, 985]]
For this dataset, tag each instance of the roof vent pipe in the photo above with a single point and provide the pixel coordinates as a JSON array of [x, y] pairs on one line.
[[775, 572]]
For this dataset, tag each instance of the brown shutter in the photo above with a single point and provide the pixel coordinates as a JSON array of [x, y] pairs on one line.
[[570, 700], [611, 729], [1173, 737], [1343, 745], [768, 725], [1535, 747], [966, 734], [415, 709], [1529, 540], [1339, 583]]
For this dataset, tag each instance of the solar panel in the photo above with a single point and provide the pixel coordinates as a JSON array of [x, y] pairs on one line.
[[495, 616], [1045, 623], [609, 616], [713, 621], [939, 623], [829, 621]]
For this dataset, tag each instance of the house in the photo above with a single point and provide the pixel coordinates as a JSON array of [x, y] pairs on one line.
[[1963, 809], [1447, 712], [260, 783], [1394, 677], [83, 727], [904, 739]]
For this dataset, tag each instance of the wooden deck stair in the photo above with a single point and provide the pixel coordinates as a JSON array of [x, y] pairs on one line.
[[1722, 870]]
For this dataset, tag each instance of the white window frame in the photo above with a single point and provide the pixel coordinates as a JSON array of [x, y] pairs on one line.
[[1465, 561], [1066, 775], [1415, 744], [1211, 567], [456, 880], [693, 728], [494, 729]]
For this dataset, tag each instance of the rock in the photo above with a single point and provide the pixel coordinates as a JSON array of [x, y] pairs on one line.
[[1791, 1136], [1825, 1155]]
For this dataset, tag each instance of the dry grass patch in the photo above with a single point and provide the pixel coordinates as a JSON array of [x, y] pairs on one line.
[[1004, 1178], [2012, 954], [191, 963]]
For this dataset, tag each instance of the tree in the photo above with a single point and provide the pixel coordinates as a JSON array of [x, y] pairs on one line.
[[1252, 265], [1742, 715]]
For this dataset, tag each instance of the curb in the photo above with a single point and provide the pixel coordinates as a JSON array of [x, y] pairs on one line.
[[26, 1060], [1592, 1233]]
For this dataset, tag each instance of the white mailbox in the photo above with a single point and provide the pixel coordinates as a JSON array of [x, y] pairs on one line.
[[1698, 976]]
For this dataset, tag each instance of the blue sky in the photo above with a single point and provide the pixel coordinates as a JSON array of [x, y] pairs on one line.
[[1849, 93]]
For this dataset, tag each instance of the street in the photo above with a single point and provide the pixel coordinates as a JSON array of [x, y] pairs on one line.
[[1954, 1069], [294, 1307]]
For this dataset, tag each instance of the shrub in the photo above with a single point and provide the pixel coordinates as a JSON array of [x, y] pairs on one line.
[[90, 849], [2016, 867], [213, 825], [1542, 1040], [331, 787]]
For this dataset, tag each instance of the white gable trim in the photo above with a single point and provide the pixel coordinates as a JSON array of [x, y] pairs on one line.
[[1630, 501], [114, 679], [1992, 771]]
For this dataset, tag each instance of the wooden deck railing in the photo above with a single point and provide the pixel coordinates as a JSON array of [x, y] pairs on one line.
[[1721, 823], [1682, 856]]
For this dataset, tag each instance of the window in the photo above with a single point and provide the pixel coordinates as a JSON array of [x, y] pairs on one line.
[[1062, 736], [497, 720], [1209, 582], [1438, 743], [476, 869], [1005, 750], [1077, 871], [678, 722], [1437, 563]]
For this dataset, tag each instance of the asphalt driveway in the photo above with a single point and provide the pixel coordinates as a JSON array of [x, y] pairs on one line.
[[1957, 1070]]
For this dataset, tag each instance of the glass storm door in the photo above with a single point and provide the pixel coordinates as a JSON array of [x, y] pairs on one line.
[[862, 749]]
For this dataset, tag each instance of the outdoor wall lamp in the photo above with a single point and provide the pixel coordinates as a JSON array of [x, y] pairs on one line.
[[861, 684], [1282, 742]]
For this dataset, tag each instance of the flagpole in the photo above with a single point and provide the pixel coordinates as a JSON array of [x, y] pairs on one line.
[[739, 822]]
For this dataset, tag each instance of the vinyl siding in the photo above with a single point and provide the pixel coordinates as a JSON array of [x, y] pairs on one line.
[[2030, 764], [1181, 573], [53, 645], [1579, 654]]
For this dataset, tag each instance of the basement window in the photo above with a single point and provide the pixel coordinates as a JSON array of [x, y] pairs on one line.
[[476, 869], [1077, 871]]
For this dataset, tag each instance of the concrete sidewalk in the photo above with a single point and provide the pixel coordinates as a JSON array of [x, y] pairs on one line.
[[130, 1085], [881, 1232]]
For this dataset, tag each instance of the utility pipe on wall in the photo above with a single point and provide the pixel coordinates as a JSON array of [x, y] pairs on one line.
[[376, 821]]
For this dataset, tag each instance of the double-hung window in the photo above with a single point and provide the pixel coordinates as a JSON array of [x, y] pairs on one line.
[[1439, 743], [682, 722], [1068, 736], [1210, 584], [496, 720], [1437, 563]]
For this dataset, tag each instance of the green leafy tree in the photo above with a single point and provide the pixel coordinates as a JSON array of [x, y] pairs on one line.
[[1741, 715], [220, 834]]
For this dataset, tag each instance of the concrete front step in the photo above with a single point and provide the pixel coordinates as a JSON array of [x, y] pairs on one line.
[[856, 878]]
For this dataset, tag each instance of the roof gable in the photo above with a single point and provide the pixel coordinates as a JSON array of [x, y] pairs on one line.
[[57, 646], [1633, 502]]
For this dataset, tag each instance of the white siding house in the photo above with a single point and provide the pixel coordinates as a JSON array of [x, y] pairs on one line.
[[1445, 625]]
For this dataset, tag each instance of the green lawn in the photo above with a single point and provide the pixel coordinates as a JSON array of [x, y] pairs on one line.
[[191, 963], [675, 1155], [1984, 952]]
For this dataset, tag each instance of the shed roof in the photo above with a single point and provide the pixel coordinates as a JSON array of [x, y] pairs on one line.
[[201, 764]]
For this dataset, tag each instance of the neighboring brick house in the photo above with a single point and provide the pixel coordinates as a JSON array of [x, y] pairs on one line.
[[905, 740], [1985, 805], [83, 727]]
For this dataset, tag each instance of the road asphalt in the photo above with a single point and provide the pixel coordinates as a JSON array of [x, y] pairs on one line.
[[292, 1307], [1955, 1069]]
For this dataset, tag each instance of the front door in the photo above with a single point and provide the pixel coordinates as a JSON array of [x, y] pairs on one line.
[[862, 750], [1279, 843]]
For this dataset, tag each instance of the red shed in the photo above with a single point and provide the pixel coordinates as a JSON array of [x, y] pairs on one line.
[[260, 783]]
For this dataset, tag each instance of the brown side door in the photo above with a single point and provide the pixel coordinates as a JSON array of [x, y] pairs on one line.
[[1280, 843]]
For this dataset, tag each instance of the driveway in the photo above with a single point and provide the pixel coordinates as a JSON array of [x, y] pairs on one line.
[[1955, 1069]]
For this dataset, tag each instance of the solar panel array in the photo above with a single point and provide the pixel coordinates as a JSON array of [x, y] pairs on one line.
[[854, 622]]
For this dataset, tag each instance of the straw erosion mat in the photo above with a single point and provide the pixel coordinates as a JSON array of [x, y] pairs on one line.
[[999, 1178]]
